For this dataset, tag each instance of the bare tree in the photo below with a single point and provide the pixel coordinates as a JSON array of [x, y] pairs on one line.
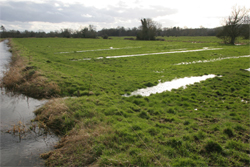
[[233, 25]]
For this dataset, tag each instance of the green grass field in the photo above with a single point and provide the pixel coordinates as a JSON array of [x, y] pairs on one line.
[[206, 124]]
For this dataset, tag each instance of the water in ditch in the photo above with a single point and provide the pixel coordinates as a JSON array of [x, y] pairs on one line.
[[21, 141]]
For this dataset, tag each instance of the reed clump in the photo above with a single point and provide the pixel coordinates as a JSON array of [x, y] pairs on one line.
[[20, 129], [55, 115]]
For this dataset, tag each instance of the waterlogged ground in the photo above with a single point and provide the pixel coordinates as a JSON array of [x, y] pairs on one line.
[[211, 60], [168, 86], [205, 124], [159, 53]]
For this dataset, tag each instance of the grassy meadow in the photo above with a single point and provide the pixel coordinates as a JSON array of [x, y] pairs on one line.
[[206, 124]]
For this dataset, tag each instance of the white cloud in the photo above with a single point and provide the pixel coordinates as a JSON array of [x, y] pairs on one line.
[[47, 12], [86, 15], [34, 14], [57, 5]]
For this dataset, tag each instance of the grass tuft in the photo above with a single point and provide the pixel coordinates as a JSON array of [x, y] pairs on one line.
[[212, 146], [229, 132]]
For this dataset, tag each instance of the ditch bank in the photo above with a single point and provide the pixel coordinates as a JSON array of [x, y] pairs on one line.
[[25, 79], [22, 141], [26, 138]]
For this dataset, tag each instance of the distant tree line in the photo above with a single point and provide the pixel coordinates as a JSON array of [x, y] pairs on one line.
[[172, 31], [119, 31], [177, 31], [86, 32], [149, 30]]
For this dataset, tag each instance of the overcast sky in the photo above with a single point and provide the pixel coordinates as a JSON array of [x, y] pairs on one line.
[[53, 15]]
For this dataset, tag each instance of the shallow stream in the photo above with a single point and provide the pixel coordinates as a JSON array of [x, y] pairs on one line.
[[22, 141]]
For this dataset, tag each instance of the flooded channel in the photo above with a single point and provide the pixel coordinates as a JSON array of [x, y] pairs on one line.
[[22, 141]]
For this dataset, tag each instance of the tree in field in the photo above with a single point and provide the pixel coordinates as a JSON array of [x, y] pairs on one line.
[[233, 25], [148, 30]]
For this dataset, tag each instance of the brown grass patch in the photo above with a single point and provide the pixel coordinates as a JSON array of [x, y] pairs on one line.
[[53, 114], [26, 79], [78, 147]]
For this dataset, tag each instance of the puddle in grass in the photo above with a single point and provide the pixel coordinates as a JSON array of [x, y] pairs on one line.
[[21, 142], [168, 86], [211, 60]]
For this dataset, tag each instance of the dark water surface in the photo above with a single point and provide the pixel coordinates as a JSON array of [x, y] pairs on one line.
[[20, 149]]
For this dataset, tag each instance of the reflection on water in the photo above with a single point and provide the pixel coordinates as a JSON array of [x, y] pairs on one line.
[[15, 108], [174, 84], [4, 56], [21, 141]]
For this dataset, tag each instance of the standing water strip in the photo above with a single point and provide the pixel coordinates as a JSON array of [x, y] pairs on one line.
[[158, 53], [169, 85], [211, 60]]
